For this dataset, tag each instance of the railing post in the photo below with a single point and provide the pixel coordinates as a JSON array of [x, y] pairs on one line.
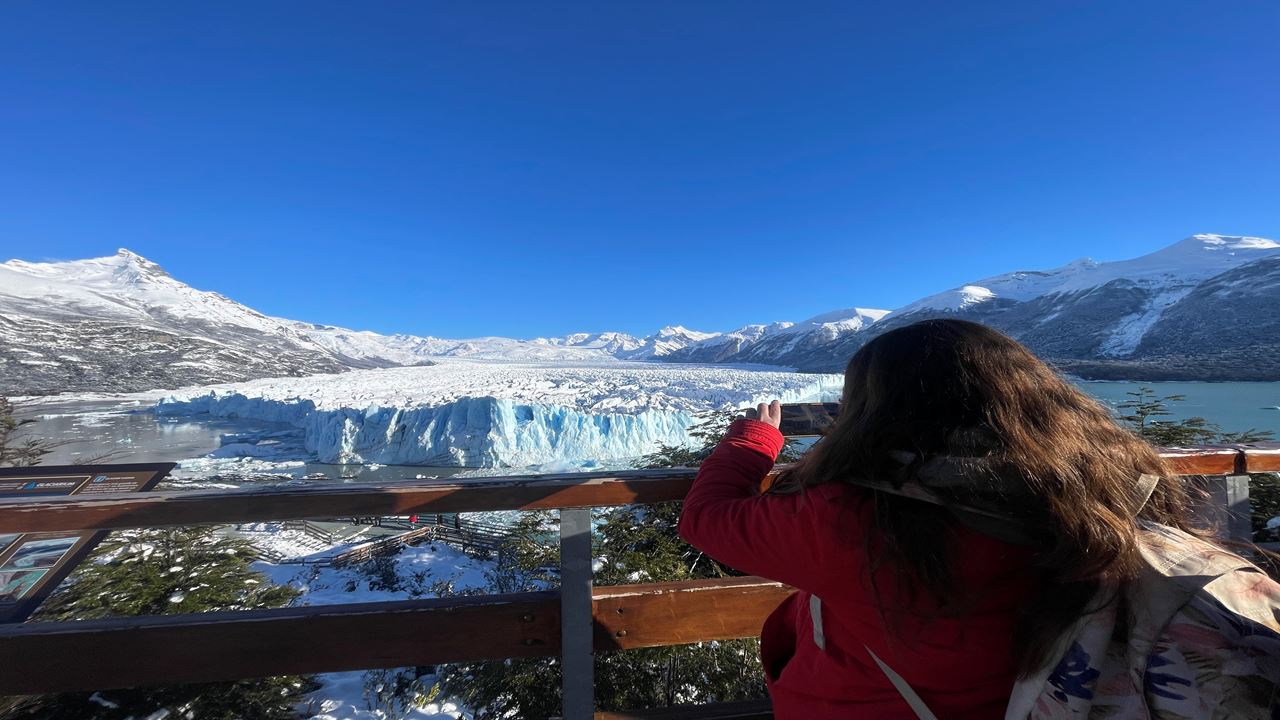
[[1235, 504], [576, 622], [1226, 509]]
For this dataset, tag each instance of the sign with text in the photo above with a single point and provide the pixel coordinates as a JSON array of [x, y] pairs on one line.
[[32, 564]]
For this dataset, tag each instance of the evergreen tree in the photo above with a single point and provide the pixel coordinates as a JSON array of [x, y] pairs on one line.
[[169, 571], [1143, 408], [1264, 504], [633, 543], [165, 572], [17, 450], [519, 687], [705, 435]]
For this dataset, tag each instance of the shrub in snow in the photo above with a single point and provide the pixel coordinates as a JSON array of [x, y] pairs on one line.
[[166, 572]]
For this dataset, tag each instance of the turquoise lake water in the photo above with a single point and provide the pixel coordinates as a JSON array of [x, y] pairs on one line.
[[1234, 406]]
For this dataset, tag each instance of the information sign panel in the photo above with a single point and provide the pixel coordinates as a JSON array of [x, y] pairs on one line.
[[32, 564]]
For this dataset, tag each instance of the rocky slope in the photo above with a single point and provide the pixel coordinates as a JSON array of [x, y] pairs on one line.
[[1206, 308], [120, 324]]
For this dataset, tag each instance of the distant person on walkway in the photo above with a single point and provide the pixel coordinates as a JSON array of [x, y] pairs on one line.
[[976, 538]]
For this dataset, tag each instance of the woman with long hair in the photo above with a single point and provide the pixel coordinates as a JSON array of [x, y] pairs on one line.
[[975, 538]]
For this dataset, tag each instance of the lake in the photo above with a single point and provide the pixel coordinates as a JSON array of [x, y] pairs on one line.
[[105, 431], [1234, 406], [128, 433]]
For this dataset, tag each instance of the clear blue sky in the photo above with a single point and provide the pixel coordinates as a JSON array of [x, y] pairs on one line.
[[535, 168]]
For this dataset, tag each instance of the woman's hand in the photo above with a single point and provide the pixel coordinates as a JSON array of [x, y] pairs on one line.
[[771, 413]]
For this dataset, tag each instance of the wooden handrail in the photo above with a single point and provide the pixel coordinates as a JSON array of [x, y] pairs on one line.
[[204, 647], [521, 492], [56, 657], [532, 492]]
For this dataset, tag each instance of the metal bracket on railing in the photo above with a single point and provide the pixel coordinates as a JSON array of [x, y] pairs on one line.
[[576, 621], [1232, 494], [1224, 506]]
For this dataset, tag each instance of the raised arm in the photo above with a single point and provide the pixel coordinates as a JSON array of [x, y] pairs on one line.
[[781, 537]]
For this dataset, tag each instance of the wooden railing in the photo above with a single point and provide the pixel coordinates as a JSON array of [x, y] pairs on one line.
[[512, 492], [572, 622]]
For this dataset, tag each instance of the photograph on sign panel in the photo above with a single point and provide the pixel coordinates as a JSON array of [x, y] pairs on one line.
[[6, 539], [16, 583], [39, 553]]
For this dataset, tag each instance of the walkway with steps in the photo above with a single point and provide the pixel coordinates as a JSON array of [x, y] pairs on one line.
[[375, 535]]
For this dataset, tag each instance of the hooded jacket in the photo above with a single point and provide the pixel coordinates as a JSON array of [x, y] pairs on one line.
[[1195, 636]]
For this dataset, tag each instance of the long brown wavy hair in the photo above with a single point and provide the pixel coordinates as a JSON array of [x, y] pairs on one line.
[[929, 389]]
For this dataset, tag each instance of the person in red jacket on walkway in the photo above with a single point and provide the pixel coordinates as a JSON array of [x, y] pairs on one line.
[[1034, 501]]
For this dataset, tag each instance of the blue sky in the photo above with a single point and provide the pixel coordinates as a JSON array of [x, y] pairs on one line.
[[524, 169]]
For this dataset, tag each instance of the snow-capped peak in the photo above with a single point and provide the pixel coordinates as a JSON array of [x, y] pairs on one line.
[[133, 269], [126, 255], [128, 287], [1189, 261], [1229, 243], [846, 319], [124, 266], [679, 331]]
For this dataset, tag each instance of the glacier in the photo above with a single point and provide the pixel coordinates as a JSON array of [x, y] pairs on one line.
[[472, 413]]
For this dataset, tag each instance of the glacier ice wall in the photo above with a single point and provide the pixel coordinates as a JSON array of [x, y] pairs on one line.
[[471, 431]]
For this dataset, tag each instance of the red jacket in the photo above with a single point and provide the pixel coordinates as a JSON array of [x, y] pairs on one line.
[[816, 542]]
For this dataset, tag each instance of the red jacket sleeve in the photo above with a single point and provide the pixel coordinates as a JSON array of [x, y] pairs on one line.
[[781, 537]]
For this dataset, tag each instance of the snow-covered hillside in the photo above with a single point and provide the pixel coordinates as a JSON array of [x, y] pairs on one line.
[[121, 323], [1199, 309], [1182, 264], [497, 414], [783, 343], [1203, 308]]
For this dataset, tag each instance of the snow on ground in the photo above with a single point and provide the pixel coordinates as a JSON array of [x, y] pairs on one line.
[[422, 571], [586, 386], [294, 545], [1129, 330], [496, 414], [343, 697], [124, 286], [415, 572]]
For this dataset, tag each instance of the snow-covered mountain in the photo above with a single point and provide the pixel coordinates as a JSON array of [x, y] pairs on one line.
[[584, 347], [1204, 308], [781, 343], [121, 323]]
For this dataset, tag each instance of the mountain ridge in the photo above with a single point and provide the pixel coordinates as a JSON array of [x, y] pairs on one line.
[[1196, 309]]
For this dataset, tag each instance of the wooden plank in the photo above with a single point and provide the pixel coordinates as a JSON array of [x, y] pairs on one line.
[[163, 650], [530, 492], [1262, 457], [632, 616], [745, 710], [1213, 460], [1224, 459], [383, 546]]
